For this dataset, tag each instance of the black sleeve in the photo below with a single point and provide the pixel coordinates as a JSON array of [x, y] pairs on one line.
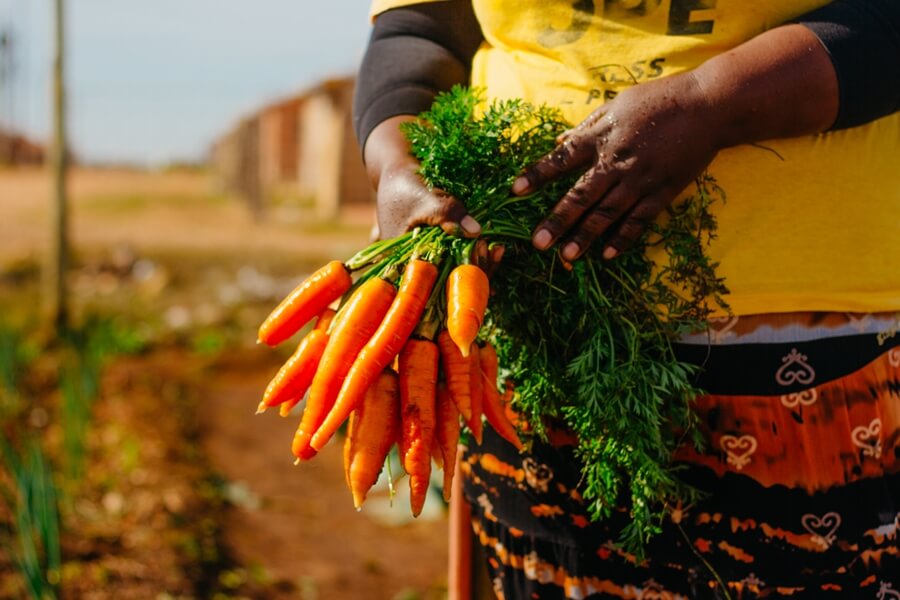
[[414, 53], [863, 39]]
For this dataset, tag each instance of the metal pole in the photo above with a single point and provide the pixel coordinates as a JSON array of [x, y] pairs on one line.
[[56, 293]]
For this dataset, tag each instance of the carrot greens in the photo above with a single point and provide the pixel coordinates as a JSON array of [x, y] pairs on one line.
[[587, 344]]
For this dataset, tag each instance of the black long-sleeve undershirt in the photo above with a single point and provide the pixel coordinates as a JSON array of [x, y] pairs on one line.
[[414, 53]]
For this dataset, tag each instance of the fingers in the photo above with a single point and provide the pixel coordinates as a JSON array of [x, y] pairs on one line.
[[486, 256], [580, 200], [405, 202], [572, 153], [622, 229], [450, 214], [635, 223]]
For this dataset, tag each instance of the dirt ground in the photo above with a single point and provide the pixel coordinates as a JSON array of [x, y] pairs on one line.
[[192, 273], [298, 521]]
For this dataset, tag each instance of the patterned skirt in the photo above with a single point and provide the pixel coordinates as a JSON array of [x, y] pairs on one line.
[[801, 472]]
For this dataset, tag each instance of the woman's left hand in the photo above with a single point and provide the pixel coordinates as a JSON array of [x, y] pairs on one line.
[[641, 149]]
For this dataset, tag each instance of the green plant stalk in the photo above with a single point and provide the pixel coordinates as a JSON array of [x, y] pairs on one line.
[[33, 502]]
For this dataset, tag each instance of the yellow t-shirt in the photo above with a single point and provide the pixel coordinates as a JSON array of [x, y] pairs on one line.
[[811, 223]]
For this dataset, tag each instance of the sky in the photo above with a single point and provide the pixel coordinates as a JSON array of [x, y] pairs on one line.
[[156, 81]]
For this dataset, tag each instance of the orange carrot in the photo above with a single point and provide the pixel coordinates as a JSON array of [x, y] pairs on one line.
[[286, 407], [418, 386], [355, 325], [467, 297], [457, 373], [447, 434], [348, 445], [506, 399], [493, 405], [294, 377], [325, 319], [436, 454], [321, 326], [386, 342], [375, 429], [476, 386], [307, 300]]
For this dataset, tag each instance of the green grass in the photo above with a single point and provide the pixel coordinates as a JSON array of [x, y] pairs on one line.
[[31, 499], [28, 492]]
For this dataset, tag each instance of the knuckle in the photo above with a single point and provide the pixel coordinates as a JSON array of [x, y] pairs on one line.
[[632, 228], [562, 156], [579, 198], [604, 214], [592, 227], [554, 223]]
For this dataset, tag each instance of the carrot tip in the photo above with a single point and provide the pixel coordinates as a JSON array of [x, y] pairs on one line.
[[261, 408], [296, 461]]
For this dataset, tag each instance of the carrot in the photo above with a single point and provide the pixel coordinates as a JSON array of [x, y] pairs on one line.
[[286, 407], [493, 404], [386, 342], [476, 386], [375, 428], [354, 326], [447, 434], [418, 386], [294, 377], [307, 300], [322, 325], [506, 399], [348, 445], [467, 297], [436, 456], [325, 319], [457, 373]]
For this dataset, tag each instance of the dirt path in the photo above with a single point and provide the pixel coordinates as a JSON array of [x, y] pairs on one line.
[[299, 522]]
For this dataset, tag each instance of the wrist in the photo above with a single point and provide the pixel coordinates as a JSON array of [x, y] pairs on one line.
[[387, 149]]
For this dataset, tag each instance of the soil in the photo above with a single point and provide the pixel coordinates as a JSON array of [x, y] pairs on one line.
[[299, 521], [187, 494]]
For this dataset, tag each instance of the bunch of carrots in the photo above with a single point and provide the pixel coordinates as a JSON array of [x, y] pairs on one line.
[[395, 355], [404, 351]]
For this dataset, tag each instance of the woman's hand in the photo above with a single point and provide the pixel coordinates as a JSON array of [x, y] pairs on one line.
[[646, 145], [402, 198], [640, 150]]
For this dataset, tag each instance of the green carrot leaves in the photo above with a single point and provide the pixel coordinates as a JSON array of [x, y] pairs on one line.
[[589, 343]]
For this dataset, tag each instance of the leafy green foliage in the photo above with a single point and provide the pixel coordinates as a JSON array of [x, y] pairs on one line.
[[588, 344]]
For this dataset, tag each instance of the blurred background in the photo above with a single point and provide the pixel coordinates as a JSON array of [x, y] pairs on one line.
[[169, 170]]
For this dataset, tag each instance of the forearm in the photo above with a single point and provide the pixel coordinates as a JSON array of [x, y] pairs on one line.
[[779, 84]]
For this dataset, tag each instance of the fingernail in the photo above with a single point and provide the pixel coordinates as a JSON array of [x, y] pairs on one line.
[[520, 185], [610, 253], [570, 251], [470, 225], [542, 239]]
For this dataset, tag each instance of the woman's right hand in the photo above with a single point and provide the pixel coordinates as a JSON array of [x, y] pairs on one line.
[[403, 201]]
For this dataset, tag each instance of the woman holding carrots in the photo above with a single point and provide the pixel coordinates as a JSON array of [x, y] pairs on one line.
[[792, 106]]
